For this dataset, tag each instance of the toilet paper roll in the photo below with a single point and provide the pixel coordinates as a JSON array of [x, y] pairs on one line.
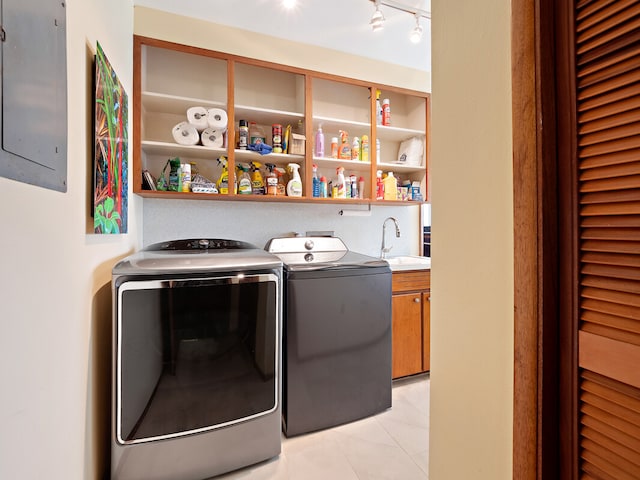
[[197, 116], [185, 134], [217, 119], [212, 138]]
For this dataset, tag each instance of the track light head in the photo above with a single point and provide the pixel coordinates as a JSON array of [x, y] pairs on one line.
[[416, 33], [377, 19]]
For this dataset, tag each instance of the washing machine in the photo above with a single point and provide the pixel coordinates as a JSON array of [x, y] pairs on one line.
[[337, 333], [196, 359]]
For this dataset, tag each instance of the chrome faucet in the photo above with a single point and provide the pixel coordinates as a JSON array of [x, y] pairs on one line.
[[384, 249]]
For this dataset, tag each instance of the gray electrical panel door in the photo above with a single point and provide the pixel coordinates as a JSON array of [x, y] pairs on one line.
[[34, 92]]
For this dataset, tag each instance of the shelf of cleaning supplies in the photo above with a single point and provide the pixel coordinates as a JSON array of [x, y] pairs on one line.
[[349, 165], [267, 116], [175, 150], [163, 103]]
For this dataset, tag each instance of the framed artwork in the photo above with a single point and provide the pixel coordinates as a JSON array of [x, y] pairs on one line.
[[111, 169]]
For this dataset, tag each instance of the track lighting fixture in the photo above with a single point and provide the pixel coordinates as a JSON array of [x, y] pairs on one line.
[[377, 19], [416, 33]]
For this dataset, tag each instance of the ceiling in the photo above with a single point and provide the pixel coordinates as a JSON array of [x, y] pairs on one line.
[[336, 24]]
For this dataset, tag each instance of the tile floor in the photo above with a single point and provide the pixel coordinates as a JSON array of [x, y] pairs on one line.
[[388, 446]]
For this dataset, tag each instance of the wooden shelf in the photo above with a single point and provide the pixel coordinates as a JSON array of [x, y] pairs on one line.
[[266, 93]]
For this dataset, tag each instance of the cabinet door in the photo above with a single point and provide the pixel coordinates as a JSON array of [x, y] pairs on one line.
[[407, 334], [426, 331]]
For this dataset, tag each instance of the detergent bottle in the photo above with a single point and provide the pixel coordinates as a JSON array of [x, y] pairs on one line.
[[294, 187], [272, 179], [244, 180], [355, 149], [390, 187], [344, 150], [316, 181], [341, 187], [223, 179], [257, 182], [282, 190]]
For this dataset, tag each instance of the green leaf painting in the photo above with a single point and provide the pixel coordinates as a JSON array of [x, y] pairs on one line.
[[111, 150]]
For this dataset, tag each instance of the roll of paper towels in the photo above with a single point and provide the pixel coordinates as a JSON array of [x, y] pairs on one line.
[[212, 138], [185, 134], [197, 116], [217, 119]]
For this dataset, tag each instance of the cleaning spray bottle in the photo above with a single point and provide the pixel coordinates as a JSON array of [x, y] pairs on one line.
[[257, 182], [272, 179], [294, 187], [223, 179], [316, 182], [244, 180], [378, 108], [344, 150], [341, 187]]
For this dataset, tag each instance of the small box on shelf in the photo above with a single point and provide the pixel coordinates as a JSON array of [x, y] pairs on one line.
[[297, 144]]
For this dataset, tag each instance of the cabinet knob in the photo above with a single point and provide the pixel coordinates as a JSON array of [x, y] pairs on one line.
[[416, 300]]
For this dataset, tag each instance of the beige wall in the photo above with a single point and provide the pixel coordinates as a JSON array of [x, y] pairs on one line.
[[55, 310], [198, 33], [472, 267]]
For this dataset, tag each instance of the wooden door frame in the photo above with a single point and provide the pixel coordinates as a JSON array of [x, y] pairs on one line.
[[543, 424]]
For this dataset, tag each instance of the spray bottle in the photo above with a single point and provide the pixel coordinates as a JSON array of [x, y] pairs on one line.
[[244, 180], [378, 108], [257, 182], [223, 179], [344, 150], [272, 179], [294, 187], [316, 182], [341, 187]]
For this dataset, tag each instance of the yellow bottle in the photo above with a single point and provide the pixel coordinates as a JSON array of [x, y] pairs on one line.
[[390, 187]]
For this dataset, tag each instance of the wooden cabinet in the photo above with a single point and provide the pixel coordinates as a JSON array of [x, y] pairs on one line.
[[411, 322], [170, 78]]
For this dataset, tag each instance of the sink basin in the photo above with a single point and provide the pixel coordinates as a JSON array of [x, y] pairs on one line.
[[409, 262]]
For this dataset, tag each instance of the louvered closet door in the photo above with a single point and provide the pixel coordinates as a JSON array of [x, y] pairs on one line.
[[608, 111]]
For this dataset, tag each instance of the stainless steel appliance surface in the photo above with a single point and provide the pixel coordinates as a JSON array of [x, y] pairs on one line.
[[337, 333], [196, 359]]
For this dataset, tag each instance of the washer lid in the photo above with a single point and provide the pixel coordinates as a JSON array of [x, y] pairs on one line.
[[319, 253], [196, 256]]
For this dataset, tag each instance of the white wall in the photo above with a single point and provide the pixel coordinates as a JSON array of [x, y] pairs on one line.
[[472, 219], [54, 283]]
